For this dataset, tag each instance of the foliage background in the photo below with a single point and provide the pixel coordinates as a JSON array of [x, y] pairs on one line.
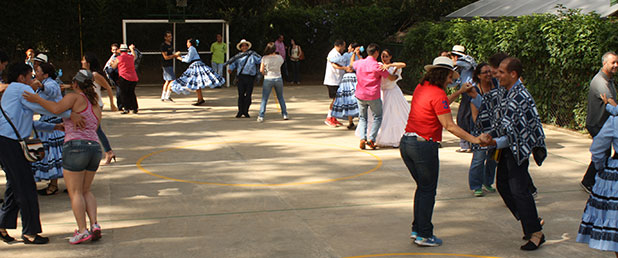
[[560, 54]]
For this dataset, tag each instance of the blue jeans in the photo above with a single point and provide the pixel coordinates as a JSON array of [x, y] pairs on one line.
[[218, 68], [376, 108], [482, 170], [267, 88], [421, 158]]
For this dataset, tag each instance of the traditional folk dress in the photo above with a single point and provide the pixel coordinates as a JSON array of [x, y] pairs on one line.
[[197, 76], [51, 165], [599, 225], [395, 112], [345, 104]]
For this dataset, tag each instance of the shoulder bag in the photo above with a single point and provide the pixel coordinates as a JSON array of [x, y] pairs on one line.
[[32, 148]]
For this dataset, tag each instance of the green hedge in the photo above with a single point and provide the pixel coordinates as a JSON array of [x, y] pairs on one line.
[[560, 53]]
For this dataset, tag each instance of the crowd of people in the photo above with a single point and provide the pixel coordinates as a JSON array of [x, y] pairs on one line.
[[497, 121]]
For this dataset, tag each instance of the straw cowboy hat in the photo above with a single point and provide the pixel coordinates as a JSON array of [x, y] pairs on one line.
[[243, 41], [459, 50], [41, 58], [443, 62]]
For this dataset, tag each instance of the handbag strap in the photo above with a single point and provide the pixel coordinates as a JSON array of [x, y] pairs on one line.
[[245, 64], [11, 123]]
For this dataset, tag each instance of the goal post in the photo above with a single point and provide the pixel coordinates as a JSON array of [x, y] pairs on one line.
[[225, 32]]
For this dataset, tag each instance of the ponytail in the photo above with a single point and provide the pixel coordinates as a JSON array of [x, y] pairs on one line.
[[88, 88]]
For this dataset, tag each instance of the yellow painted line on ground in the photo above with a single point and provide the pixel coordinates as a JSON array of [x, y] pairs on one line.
[[418, 254], [140, 160]]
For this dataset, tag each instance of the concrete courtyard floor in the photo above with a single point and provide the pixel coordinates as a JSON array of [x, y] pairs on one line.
[[197, 182]]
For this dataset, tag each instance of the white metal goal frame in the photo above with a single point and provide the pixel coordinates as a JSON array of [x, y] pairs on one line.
[[225, 31]]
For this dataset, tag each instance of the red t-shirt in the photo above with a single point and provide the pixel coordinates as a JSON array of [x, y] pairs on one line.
[[428, 102], [126, 67]]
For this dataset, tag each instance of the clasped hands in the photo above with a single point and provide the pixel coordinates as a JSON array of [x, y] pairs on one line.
[[607, 100], [486, 140]]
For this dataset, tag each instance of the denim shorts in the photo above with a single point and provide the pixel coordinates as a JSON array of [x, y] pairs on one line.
[[80, 155], [168, 73]]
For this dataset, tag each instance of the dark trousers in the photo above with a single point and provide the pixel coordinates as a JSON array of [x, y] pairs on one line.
[[513, 183], [421, 158], [118, 100], [591, 172], [20, 195], [127, 94], [245, 89], [295, 71]]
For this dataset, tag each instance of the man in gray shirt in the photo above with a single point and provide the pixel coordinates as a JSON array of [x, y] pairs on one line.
[[601, 84]]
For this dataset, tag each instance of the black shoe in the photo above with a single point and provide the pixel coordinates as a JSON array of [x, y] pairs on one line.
[[351, 126], [170, 99], [124, 112], [238, 115], [199, 103], [527, 236], [6, 238], [135, 111], [38, 240], [587, 189], [247, 115], [530, 246]]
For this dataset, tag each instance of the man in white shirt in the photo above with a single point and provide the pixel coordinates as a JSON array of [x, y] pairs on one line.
[[332, 78]]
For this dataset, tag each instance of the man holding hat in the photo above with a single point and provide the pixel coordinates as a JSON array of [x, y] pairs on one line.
[[127, 78], [246, 65], [464, 65]]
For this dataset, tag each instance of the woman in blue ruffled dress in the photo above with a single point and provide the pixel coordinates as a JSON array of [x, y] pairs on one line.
[[345, 104], [50, 168], [599, 225], [197, 76]]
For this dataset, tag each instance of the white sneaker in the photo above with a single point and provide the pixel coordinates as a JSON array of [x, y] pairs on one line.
[[80, 237], [285, 117], [260, 119]]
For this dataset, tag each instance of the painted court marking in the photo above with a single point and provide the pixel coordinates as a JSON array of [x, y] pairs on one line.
[[141, 160], [419, 254]]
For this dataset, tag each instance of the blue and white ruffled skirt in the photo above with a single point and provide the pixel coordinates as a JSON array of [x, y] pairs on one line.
[[599, 225], [197, 76], [345, 104]]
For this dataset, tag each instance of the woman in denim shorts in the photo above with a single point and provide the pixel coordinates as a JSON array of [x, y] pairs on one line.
[[81, 153]]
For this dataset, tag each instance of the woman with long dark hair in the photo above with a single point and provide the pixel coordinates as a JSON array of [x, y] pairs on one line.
[[429, 113], [395, 107], [50, 167], [82, 152], [197, 76], [482, 168], [91, 63]]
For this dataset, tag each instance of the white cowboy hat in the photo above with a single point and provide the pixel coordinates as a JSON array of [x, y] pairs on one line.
[[41, 58], [459, 50], [443, 62], [243, 41], [124, 48]]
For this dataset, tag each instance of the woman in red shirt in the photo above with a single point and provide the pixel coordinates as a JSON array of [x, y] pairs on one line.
[[429, 113]]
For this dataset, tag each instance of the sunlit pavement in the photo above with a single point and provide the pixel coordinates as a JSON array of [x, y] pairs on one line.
[[198, 182]]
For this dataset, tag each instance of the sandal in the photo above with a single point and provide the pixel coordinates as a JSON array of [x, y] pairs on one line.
[[46, 190]]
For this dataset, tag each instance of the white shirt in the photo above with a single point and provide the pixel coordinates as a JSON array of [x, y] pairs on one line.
[[272, 66], [333, 76], [388, 84]]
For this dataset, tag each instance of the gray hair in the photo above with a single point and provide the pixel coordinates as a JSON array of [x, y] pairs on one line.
[[606, 55]]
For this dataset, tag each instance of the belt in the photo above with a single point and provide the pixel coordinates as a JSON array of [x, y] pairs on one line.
[[418, 137]]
